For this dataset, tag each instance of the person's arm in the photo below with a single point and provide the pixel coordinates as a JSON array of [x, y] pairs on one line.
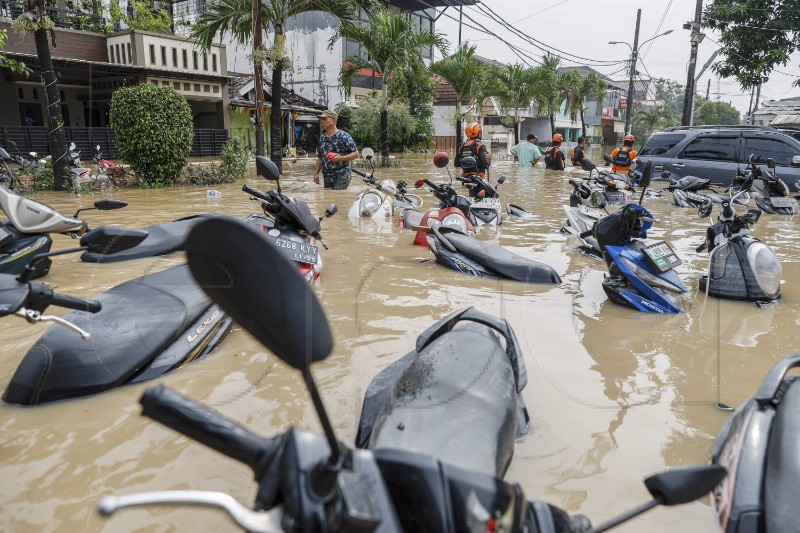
[[317, 170], [484, 159], [350, 145], [514, 151], [346, 157], [457, 158]]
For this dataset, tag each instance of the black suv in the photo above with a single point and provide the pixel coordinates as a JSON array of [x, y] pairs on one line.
[[716, 152]]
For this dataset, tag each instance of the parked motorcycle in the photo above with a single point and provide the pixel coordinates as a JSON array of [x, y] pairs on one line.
[[382, 200], [453, 210], [692, 191], [740, 267], [458, 249], [25, 234], [485, 209], [758, 445], [288, 223], [308, 482], [641, 275], [175, 324], [771, 193]]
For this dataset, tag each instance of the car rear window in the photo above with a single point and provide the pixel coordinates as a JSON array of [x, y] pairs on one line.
[[711, 149], [660, 144], [763, 147]]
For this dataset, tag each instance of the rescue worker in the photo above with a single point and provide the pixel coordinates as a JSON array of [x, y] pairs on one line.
[[553, 157], [623, 156], [578, 152], [474, 147]]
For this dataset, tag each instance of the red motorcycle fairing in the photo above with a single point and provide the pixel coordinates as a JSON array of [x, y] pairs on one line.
[[420, 238]]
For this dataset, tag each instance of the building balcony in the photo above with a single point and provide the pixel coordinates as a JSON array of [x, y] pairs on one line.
[[62, 18]]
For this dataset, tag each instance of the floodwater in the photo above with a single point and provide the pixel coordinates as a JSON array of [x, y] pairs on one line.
[[614, 395]]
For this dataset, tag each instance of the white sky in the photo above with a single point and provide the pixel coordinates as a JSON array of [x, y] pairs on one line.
[[584, 27]]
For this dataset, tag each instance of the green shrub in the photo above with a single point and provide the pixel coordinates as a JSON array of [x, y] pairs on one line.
[[234, 158], [154, 130]]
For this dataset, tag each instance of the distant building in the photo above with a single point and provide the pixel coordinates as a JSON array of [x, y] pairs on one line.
[[779, 113]]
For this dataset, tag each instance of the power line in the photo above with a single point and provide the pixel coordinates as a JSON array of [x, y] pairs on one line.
[[658, 29]]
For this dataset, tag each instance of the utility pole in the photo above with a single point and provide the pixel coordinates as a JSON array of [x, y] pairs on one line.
[[460, 20], [696, 39], [755, 106], [634, 57], [258, 80]]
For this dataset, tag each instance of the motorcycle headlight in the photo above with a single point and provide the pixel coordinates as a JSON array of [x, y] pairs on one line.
[[455, 221], [370, 203], [647, 277], [766, 268]]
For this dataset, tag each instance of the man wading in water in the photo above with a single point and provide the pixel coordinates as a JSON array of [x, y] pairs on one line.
[[336, 150]]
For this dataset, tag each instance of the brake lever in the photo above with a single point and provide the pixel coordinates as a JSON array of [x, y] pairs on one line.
[[258, 522], [35, 316]]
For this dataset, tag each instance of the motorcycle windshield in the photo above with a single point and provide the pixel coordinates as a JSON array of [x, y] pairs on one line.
[[297, 214]]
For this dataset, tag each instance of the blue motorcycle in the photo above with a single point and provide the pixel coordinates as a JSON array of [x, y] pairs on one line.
[[641, 275]]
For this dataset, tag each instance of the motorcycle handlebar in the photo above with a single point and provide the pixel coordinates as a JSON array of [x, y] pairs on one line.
[[205, 426], [727, 210], [79, 304], [587, 233], [257, 194]]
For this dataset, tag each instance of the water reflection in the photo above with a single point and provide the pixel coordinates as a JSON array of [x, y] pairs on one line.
[[614, 394]]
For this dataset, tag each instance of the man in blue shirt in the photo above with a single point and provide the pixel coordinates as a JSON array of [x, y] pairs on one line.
[[336, 149]]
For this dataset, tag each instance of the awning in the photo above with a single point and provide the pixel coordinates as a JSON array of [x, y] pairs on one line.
[[307, 118], [786, 120]]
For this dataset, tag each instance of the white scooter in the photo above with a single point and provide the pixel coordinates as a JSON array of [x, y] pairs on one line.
[[383, 199]]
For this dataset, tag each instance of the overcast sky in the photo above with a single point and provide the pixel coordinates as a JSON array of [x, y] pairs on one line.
[[584, 28]]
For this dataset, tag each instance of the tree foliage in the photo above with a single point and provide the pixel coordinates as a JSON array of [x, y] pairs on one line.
[[13, 64], [415, 86], [756, 36], [465, 74], [671, 93], [714, 113], [144, 17], [646, 121], [363, 122], [154, 131]]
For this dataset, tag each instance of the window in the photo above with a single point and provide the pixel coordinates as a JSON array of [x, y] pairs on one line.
[[712, 149], [111, 54], [35, 94], [205, 62], [164, 56], [120, 59], [185, 59], [197, 87], [152, 54], [31, 115], [214, 62], [187, 87], [175, 57], [194, 60], [206, 89], [216, 89], [164, 83], [176, 85], [660, 144], [778, 150]]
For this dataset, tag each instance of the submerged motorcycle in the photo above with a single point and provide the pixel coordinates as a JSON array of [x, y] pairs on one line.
[[86, 351], [382, 199], [485, 209], [691, 191], [758, 445], [25, 234], [772, 194], [310, 482], [458, 249], [641, 275], [740, 267]]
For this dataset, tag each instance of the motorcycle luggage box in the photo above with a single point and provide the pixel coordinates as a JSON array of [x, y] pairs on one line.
[[758, 445]]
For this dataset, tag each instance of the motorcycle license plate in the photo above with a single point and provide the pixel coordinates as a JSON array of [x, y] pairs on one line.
[[661, 256], [783, 201], [297, 251]]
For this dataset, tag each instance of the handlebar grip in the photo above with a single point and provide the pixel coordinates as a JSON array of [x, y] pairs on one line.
[[587, 233], [727, 210], [205, 426], [356, 171], [253, 192], [574, 183], [79, 304]]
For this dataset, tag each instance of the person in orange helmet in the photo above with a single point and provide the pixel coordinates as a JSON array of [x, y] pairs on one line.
[[553, 157], [474, 147], [624, 155]]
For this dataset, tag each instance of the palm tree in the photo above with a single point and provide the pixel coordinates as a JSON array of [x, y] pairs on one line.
[[650, 119], [518, 88], [590, 85], [561, 88], [236, 17], [465, 74], [392, 43]]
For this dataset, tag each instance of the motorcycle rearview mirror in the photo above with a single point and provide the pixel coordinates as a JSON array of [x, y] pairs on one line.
[[268, 170], [72, 146], [607, 159], [112, 239], [367, 153], [103, 205], [227, 258], [705, 209], [330, 211], [501, 179], [770, 163], [587, 164], [675, 487]]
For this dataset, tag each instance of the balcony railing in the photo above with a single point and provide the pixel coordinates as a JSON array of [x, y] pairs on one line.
[[62, 18]]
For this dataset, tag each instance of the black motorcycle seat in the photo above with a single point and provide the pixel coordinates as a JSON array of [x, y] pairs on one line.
[[139, 319], [161, 239], [435, 398], [781, 488], [504, 262]]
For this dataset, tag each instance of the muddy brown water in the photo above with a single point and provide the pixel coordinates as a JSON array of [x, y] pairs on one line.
[[614, 395]]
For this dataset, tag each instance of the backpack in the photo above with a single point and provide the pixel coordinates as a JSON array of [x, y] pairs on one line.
[[551, 157], [471, 147], [623, 158]]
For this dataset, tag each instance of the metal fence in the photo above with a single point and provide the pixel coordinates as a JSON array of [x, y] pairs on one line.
[[62, 18], [207, 142]]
